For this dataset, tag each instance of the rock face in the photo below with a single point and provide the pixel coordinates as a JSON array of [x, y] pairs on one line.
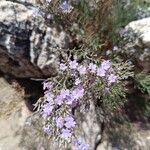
[[30, 46], [141, 27], [135, 43], [13, 115], [20, 129], [91, 126]]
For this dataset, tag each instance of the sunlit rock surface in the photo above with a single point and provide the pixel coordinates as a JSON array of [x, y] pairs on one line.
[[30, 46], [142, 27], [135, 42], [13, 115]]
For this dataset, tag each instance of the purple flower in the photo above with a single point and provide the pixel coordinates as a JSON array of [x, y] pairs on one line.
[[65, 7], [74, 96], [101, 72], [66, 134], [112, 78], [71, 101], [49, 97], [59, 100], [69, 122], [92, 67], [76, 142], [64, 93], [73, 64], [77, 81], [48, 85], [80, 146], [59, 122], [47, 109], [63, 67], [83, 147], [82, 70], [106, 64], [77, 93], [47, 130]]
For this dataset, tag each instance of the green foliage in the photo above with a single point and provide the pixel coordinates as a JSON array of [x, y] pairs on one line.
[[124, 12], [147, 109], [116, 97], [143, 83], [83, 8]]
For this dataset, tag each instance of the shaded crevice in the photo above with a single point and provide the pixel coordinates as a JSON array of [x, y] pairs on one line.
[[33, 90]]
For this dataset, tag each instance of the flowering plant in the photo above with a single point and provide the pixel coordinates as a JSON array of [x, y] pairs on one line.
[[80, 82], [75, 86]]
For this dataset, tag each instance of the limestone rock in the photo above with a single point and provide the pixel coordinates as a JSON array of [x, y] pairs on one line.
[[146, 39], [141, 27], [30, 43], [13, 115], [20, 129], [135, 43]]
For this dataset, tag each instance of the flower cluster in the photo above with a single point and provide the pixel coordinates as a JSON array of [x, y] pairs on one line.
[[64, 6], [61, 99], [59, 107]]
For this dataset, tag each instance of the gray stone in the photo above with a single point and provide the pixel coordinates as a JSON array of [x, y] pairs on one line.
[[142, 28], [30, 46], [135, 43], [13, 115], [90, 126], [146, 39], [20, 128]]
